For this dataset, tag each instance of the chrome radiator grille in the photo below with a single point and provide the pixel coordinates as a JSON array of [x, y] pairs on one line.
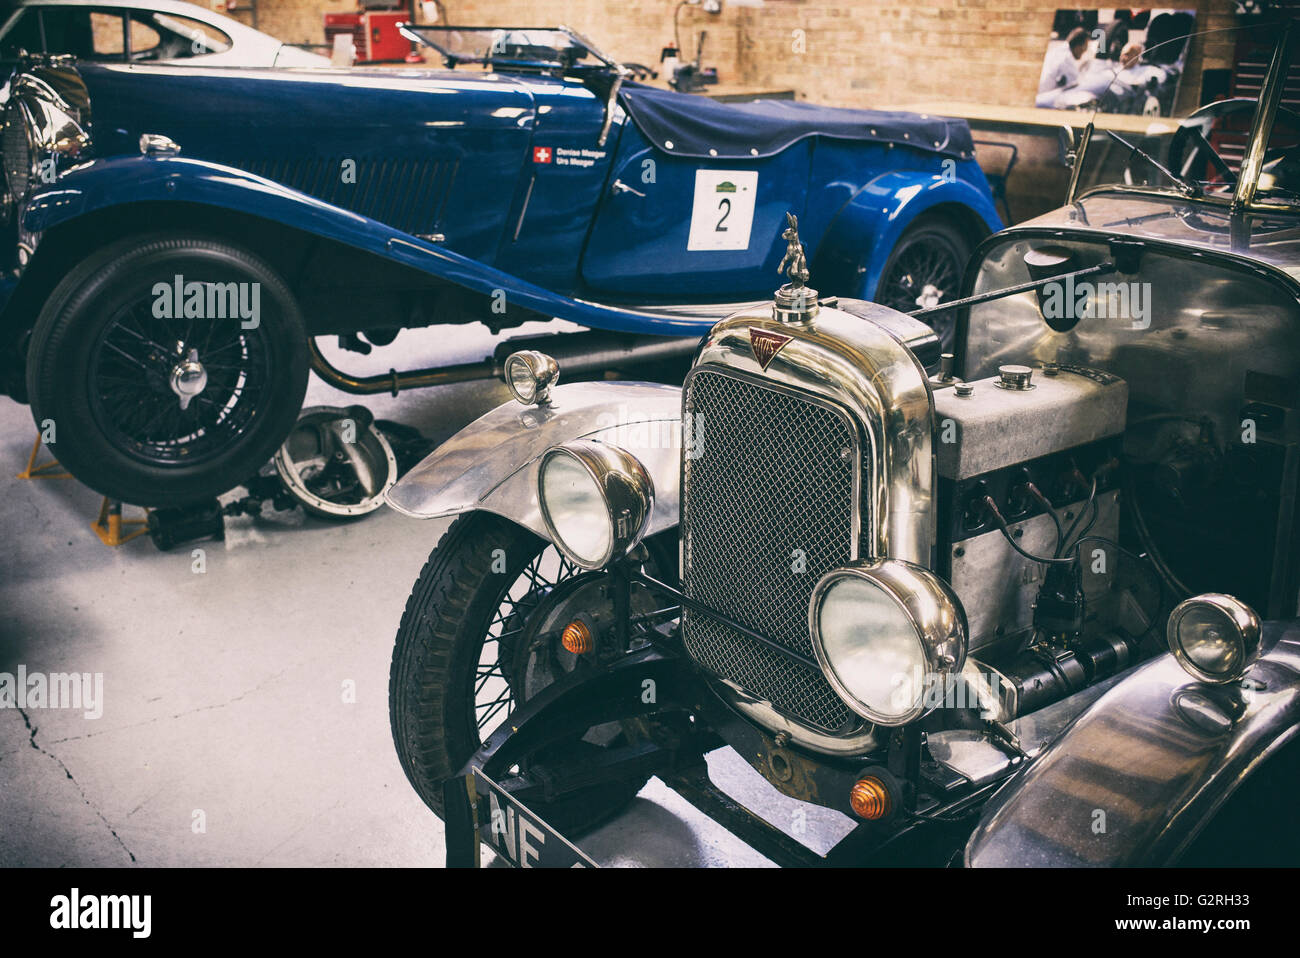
[[17, 152], [767, 509]]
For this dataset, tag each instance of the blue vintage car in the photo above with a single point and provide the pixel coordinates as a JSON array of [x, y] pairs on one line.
[[179, 234]]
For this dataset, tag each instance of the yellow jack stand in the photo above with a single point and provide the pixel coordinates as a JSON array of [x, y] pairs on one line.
[[110, 525], [43, 471]]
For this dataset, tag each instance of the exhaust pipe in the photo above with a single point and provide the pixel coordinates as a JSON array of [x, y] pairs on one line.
[[597, 351], [585, 352]]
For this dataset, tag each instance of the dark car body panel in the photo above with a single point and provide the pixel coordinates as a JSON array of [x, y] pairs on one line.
[[299, 128]]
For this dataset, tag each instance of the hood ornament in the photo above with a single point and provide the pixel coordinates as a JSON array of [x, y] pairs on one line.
[[794, 302]]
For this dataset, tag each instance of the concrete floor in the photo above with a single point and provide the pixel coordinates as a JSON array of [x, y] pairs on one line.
[[224, 691]]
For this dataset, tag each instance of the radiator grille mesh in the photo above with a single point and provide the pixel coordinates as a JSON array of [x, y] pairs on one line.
[[767, 509], [17, 152]]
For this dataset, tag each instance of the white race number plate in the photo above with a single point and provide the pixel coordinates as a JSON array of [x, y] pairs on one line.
[[723, 211]]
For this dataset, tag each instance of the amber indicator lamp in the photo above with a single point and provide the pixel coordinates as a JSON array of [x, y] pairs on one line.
[[869, 798], [577, 638]]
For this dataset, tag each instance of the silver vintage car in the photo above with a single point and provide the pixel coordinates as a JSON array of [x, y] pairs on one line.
[[1033, 602]]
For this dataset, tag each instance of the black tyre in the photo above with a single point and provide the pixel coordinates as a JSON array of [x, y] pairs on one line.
[[158, 409], [455, 672], [925, 269]]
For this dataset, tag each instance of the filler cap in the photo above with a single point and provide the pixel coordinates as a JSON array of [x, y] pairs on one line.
[[1018, 378]]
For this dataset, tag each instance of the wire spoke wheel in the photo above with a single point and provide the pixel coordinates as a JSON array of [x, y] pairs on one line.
[[173, 364], [137, 359], [480, 635], [495, 682], [924, 270]]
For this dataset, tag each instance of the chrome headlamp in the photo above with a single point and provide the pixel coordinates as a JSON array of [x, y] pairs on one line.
[[884, 631], [1214, 637], [596, 500], [45, 120], [530, 375]]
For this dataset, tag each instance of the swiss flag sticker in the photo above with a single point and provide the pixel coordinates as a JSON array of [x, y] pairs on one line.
[[541, 154]]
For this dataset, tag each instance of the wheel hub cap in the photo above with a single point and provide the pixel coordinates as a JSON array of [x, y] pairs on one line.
[[930, 296], [188, 378]]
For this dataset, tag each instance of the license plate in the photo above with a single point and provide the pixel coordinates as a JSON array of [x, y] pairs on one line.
[[517, 834]]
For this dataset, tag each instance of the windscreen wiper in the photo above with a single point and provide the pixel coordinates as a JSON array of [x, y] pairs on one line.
[[1187, 189]]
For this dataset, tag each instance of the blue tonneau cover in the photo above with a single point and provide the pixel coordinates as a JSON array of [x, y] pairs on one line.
[[696, 126]]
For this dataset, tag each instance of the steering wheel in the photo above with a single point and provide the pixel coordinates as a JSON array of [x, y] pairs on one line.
[[1192, 156]]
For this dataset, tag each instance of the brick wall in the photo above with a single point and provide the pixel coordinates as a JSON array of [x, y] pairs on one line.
[[855, 52], [293, 21]]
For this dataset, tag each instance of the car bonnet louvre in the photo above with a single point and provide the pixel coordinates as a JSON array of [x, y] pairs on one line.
[[406, 194]]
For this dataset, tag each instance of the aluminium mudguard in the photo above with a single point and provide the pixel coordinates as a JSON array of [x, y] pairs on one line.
[[135, 181], [492, 463], [869, 225], [1158, 754]]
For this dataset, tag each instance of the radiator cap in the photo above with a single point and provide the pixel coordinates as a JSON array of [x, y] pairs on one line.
[[794, 302]]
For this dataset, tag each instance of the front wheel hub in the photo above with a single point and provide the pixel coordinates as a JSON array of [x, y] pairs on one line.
[[930, 297], [188, 378]]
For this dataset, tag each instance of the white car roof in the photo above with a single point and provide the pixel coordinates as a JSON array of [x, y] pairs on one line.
[[241, 35]]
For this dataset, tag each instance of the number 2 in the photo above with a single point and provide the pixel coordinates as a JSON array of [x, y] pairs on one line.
[[724, 204]]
